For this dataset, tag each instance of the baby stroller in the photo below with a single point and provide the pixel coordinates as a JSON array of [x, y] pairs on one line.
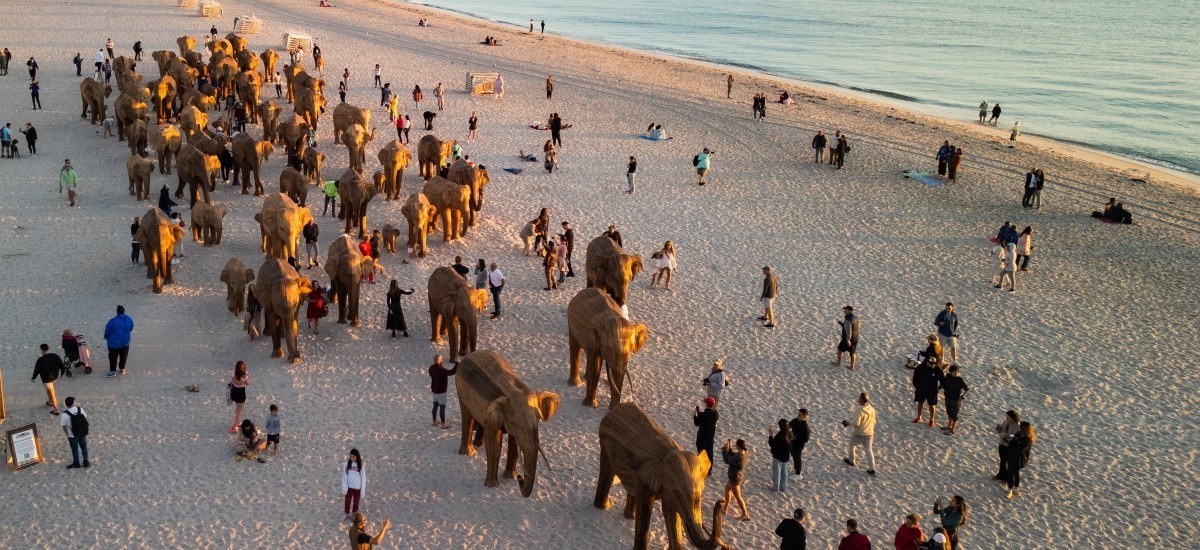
[[76, 352]]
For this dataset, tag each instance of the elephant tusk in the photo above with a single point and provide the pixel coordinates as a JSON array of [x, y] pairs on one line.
[[546, 460]]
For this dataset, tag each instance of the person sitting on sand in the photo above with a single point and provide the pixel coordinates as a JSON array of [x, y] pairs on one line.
[[786, 98], [659, 134], [250, 442], [1116, 214]]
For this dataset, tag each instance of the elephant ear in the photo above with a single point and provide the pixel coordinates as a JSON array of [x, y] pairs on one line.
[[225, 273], [640, 334], [479, 299], [249, 275], [650, 474], [635, 266], [496, 412], [547, 405], [141, 236], [702, 464]]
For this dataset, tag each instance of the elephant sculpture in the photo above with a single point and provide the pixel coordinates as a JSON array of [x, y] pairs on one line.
[[312, 161], [475, 177], [291, 73], [192, 121], [219, 47], [595, 326], [162, 95], [198, 99], [207, 223], [236, 43], [610, 269], [356, 193], [185, 74], [281, 291], [390, 234], [282, 220], [347, 267], [129, 108], [138, 137], [157, 236], [198, 171], [222, 72], [394, 158], [268, 116], [236, 276], [419, 214], [93, 94], [249, 85], [247, 60], [163, 59], [432, 153], [355, 138], [248, 156], [269, 59], [451, 203], [293, 184], [166, 141], [185, 43], [491, 396], [454, 308], [293, 131], [139, 168], [346, 115], [308, 104], [652, 466]]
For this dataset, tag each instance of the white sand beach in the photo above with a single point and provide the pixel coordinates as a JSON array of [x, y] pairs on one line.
[[1094, 348]]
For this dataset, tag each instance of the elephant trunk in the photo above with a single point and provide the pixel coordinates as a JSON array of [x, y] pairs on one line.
[[692, 525], [529, 460]]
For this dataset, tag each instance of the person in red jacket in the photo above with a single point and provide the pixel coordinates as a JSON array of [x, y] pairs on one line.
[[438, 381], [316, 309], [365, 248], [909, 536], [853, 539]]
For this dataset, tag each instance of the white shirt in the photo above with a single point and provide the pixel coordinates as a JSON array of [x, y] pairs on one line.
[[64, 419], [378, 71], [353, 478], [496, 278], [99, 56]]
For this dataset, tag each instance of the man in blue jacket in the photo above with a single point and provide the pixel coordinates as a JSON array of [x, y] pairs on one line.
[[116, 336]]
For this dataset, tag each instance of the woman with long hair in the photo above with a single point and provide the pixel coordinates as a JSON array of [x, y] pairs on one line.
[[1024, 247], [253, 312], [664, 261], [354, 482], [395, 313], [953, 516], [1018, 457], [316, 308], [1005, 431], [251, 443], [237, 393], [735, 456], [481, 274], [781, 447]]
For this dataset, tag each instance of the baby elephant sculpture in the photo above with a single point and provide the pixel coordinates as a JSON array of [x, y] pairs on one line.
[[390, 234], [491, 395], [420, 215], [454, 308], [595, 326], [157, 237], [139, 168], [236, 276], [452, 203], [653, 467], [207, 223], [610, 269]]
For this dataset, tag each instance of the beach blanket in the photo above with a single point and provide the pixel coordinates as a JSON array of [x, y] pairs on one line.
[[924, 177], [648, 138]]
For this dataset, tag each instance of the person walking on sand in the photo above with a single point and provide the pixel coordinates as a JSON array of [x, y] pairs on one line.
[[74, 424], [569, 235], [664, 264], [549, 86], [840, 150], [781, 445], [853, 539], [237, 393], [35, 93], [385, 95], [631, 174], [955, 389], [818, 144], [253, 312], [943, 157], [995, 115], [946, 322], [1030, 187], [66, 179], [848, 343], [316, 308], [715, 382], [953, 163], [792, 531], [395, 312], [1012, 137], [1024, 247], [864, 432], [32, 65], [729, 86], [702, 162], [346, 77], [735, 456], [354, 483], [909, 536], [556, 127], [342, 91], [439, 377], [417, 96], [1035, 200], [359, 538], [531, 26], [439, 93], [47, 367], [378, 76], [472, 127], [1007, 268], [78, 61], [952, 517], [706, 429], [481, 275], [117, 335], [983, 110], [543, 26], [550, 263], [926, 380], [799, 427], [1005, 432], [311, 233], [770, 291], [1018, 457]]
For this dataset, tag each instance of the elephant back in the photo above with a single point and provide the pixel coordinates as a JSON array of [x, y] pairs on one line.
[[484, 376], [446, 285], [345, 115], [441, 191], [394, 151], [626, 427], [601, 251], [236, 272], [343, 252], [591, 307], [277, 276], [416, 203]]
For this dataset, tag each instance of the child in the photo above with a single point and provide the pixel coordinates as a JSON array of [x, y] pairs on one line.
[[273, 429]]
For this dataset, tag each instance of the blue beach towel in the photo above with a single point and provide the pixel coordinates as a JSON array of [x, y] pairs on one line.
[[924, 177], [512, 170]]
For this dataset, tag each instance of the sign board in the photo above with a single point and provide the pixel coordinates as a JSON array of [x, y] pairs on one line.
[[24, 446]]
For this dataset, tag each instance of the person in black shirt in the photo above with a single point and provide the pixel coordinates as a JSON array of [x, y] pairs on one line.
[[461, 269], [792, 531], [613, 234], [48, 366], [955, 389], [799, 426], [706, 429], [136, 253], [926, 380], [569, 235]]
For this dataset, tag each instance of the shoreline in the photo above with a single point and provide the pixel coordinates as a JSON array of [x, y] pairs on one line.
[[881, 100]]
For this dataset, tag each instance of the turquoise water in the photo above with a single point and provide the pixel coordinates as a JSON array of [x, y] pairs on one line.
[[1121, 77]]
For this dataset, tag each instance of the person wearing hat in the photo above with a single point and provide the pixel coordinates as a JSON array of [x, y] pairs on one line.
[[849, 340], [706, 429], [715, 382], [359, 539], [615, 235], [791, 530], [770, 291], [703, 161]]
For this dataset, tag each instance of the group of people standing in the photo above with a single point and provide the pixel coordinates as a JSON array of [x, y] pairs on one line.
[[837, 150], [949, 159]]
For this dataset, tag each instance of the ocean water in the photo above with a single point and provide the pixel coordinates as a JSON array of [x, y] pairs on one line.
[[1117, 76]]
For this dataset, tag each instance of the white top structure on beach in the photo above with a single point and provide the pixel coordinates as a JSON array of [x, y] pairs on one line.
[[247, 24], [187, 3], [211, 9], [481, 83], [295, 41]]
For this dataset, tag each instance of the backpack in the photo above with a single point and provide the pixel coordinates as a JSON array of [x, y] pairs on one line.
[[696, 160], [79, 423]]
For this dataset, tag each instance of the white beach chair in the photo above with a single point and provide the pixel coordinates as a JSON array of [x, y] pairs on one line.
[[296, 42], [189, 4], [481, 83], [247, 24], [211, 9]]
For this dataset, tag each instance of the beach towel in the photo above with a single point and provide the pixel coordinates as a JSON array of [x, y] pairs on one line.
[[924, 177]]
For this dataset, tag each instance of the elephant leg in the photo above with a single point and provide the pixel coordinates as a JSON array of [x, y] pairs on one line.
[[492, 441], [258, 186], [179, 188], [615, 383], [290, 330], [593, 378], [510, 465], [274, 325], [604, 481], [353, 305], [453, 326], [468, 424], [435, 332], [576, 355]]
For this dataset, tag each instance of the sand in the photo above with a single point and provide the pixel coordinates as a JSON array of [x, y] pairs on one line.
[[1092, 348]]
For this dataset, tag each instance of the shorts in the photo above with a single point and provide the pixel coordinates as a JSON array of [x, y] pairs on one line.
[[850, 346], [926, 397], [237, 395], [948, 342], [702, 171], [440, 399], [273, 438], [768, 303], [952, 406]]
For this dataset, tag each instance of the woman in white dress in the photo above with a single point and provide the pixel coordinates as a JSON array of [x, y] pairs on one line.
[[664, 265]]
